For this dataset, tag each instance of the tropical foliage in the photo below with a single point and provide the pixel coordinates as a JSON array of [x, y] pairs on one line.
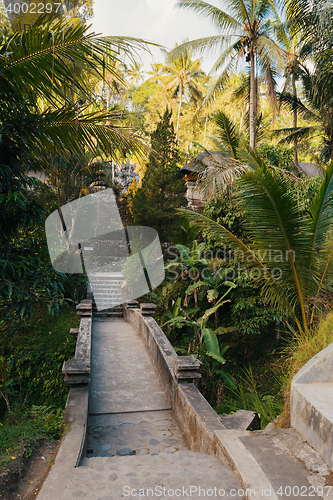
[[162, 188], [244, 30], [289, 253]]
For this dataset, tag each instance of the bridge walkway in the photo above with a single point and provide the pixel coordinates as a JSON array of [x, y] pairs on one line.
[[135, 446]]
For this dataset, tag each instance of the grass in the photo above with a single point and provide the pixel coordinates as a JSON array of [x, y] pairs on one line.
[[17, 441], [34, 350], [299, 351], [247, 396]]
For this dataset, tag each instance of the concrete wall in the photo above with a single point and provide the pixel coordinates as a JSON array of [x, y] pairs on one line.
[[77, 376], [311, 403], [196, 417]]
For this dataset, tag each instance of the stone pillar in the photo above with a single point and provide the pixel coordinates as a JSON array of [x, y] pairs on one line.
[[77, 370], [186, 368]]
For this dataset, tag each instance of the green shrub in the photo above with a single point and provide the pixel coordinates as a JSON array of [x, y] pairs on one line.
[[36, 349], [247, 397]]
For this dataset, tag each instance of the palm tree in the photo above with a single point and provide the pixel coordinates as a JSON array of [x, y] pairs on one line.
[[316, 106], [245, 31], [290, 254], [185, 78], [134, 72], [296, 55], [313, 20], [156, 73], [51, 62], [218, 169], [312, 23]]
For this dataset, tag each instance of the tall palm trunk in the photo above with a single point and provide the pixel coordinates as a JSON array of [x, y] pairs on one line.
[[179, 108], [253, 102], [293, 80]]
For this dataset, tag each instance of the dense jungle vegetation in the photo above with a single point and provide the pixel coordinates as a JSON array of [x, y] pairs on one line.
[[248, 285]]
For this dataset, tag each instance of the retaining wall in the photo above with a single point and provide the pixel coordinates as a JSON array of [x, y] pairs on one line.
[[196, 417], [311, 403]]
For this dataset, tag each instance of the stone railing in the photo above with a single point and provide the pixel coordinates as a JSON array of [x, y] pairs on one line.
[[77, 376], [196, 417]]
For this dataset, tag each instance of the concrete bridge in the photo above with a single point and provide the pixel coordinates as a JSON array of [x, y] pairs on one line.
[[138, 427]]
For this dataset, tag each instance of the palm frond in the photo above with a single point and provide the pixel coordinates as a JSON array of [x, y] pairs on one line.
[[299, 133], [321, 211], [217, 172], [69, 133], [293, 103], [221, 20], [44, 57], [227, 133]]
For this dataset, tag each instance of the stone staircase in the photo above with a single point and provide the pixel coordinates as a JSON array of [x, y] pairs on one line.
[[105, 291]]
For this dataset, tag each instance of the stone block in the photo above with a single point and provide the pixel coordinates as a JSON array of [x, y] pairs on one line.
[[131, 304], [241, 420], [86, 304], [74, 332], [148, 309], [186, 368], [76, 366], [311, 403]]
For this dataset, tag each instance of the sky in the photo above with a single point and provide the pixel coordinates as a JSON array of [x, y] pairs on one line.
[[154, 20]]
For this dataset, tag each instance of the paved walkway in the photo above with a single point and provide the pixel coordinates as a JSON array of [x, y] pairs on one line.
[[137, 450], [135, 446]]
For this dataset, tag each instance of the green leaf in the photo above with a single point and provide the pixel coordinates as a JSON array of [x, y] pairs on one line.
[[217, 357], [211, 341], [228, 329], [227, 379], [185, 254], [193, 287], [212, 294]]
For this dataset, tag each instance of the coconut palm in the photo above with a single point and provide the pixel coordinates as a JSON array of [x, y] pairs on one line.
[[244, 31], [313, 20], [217, 169], [294, 66], [134, 72], [48, 63], [51, 62], [310, 24], [185, 78], [290, 254], [156, 73], [316, 106]]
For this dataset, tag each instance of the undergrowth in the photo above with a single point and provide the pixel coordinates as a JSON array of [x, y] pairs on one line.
[[16, 441], [32, 353]]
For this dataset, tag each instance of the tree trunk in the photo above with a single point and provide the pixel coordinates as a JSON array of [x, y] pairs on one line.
[[180, 105], [293, 79], [205, 131], [253, 102]]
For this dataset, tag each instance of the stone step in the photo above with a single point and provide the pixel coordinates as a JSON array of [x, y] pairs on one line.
[[108, 314], [108, 285], [107, 295], [106, 304], [100, 290]]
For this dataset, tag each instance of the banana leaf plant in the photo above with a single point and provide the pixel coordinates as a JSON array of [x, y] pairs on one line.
[[207, 337], [189, 262], [289, 254]]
